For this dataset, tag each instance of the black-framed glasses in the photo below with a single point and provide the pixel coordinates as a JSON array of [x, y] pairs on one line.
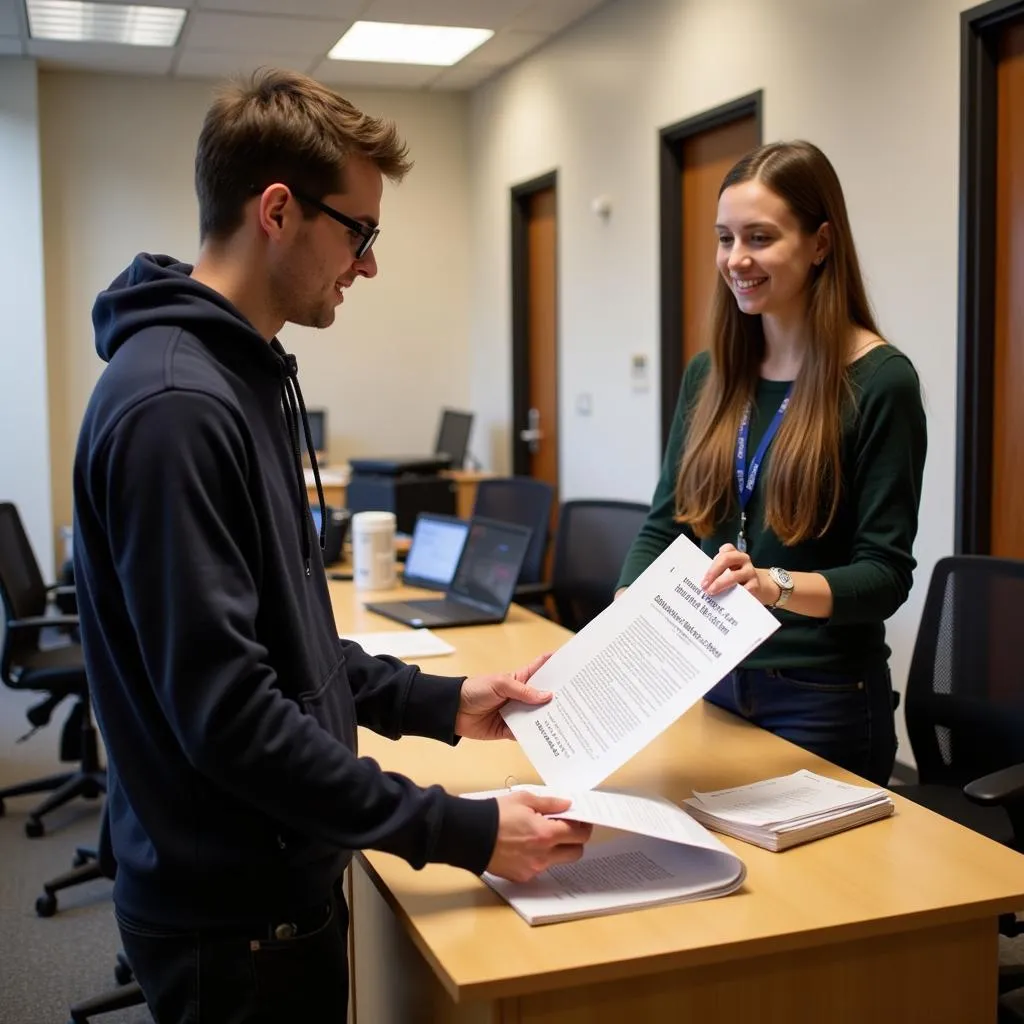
[[366, 234]]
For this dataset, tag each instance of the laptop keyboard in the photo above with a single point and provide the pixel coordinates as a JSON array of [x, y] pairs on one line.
[[447, 609]]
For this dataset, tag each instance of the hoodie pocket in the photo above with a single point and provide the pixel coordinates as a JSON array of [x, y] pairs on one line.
[[331, 703]]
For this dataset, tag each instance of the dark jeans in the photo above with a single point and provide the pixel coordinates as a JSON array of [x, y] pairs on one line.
[[845, 719], [253, 977]]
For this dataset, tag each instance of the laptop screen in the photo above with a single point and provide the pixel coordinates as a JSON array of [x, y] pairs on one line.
[[491, 561], [437, 543]]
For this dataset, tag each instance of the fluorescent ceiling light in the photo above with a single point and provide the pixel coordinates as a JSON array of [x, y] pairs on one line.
[[75, 21], [386, 43]]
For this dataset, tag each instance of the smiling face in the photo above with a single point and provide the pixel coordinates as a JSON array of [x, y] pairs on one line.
[[764, 255], [319, 262]]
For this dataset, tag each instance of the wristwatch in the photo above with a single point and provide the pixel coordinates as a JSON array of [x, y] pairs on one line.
[[785, 584]]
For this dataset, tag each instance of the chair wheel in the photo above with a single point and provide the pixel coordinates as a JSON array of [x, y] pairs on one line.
[[46, 905], [123, 974], [34, 828], [78, 860]]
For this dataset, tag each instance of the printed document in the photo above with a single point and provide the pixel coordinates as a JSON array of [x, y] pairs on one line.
[[663, 856], [633, 670]]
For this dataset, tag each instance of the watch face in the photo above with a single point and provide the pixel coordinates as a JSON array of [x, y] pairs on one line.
[[784, 579]]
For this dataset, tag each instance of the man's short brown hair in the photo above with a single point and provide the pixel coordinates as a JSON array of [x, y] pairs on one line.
[[280, 126]]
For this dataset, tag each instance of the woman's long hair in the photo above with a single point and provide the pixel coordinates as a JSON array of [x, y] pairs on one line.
[[803, 480]]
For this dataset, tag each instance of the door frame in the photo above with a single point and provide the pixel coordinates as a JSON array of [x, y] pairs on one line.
[[520, 199], [979, 34], [670, 166]]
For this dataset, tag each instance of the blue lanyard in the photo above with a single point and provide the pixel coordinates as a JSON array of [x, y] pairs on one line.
[[747, 478]]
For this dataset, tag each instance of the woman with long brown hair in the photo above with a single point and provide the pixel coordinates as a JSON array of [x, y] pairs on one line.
[[795, 460]]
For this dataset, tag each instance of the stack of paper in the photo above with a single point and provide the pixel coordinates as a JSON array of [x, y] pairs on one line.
[[402, 643], [664, 857], [783, 812]]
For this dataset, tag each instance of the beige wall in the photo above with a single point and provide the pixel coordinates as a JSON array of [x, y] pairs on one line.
[[24, 428], [117, 157], [873, 82]]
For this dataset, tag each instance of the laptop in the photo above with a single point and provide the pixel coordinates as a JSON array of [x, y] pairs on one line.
[[437, 543], [483, 585]]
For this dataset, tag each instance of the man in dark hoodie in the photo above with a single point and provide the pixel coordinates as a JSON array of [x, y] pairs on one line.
[[226, 700]]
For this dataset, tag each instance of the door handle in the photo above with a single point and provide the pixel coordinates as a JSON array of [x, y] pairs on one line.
[[532, 435]]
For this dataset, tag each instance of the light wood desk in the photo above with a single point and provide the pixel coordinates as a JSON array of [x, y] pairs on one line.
[[892, 922], [334, 483]]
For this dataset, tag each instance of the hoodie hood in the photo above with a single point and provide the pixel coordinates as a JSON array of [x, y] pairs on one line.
[[159, 291]]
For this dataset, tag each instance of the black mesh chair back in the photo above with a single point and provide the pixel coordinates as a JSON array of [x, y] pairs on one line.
[[965, 690], [592, 542], [22, 587], [525, 502], [56, 671]]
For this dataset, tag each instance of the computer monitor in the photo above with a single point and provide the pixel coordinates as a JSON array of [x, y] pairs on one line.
[[318, 432], [453, 436]]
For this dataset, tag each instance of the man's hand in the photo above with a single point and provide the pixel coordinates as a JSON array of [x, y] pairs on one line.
[[528, 843], [483, 697]]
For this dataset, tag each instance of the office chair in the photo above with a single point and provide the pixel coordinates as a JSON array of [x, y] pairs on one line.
[[591, 544], [965, 707], [85, 867], [57, 672], [525, 502], [128, 993]]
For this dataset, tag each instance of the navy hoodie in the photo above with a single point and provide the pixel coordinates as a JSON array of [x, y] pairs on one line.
[[227, 703]]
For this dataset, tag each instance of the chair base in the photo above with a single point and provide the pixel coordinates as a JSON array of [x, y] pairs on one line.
[[85, 868], [88, 784], [116, 999], [89, 781]]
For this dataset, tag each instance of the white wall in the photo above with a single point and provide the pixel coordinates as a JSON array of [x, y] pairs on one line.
[[873, 82], [117, 179], [24, 426]]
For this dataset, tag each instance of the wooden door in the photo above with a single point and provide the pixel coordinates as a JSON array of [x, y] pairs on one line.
[[535, 336], [542, 318], [1007, 537], [707, 157]]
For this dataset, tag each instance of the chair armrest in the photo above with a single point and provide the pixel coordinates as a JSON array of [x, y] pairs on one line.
[[61, 590], [44, 621], [1003, 787], [531, 591]]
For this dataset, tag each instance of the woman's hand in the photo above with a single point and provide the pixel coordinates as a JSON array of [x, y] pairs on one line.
[[732, 567]]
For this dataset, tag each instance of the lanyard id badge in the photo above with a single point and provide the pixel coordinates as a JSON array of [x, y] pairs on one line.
[[746, 477]]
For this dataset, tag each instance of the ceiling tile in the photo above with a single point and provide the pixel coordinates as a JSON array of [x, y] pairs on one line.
[[243, 33], [463, 13], [462, 77], [10, 46], [551, 15], [368, 75], [504, 48], [186, 4], [342, 9], [205, 64], [10, 19], [136, 60]]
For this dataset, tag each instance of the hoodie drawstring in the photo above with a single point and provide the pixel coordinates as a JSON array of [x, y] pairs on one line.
[[295, 412]]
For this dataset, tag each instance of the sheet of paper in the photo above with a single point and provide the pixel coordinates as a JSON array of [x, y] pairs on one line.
[[645, 815], [635, 669], [402, 643], [804, 794]]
